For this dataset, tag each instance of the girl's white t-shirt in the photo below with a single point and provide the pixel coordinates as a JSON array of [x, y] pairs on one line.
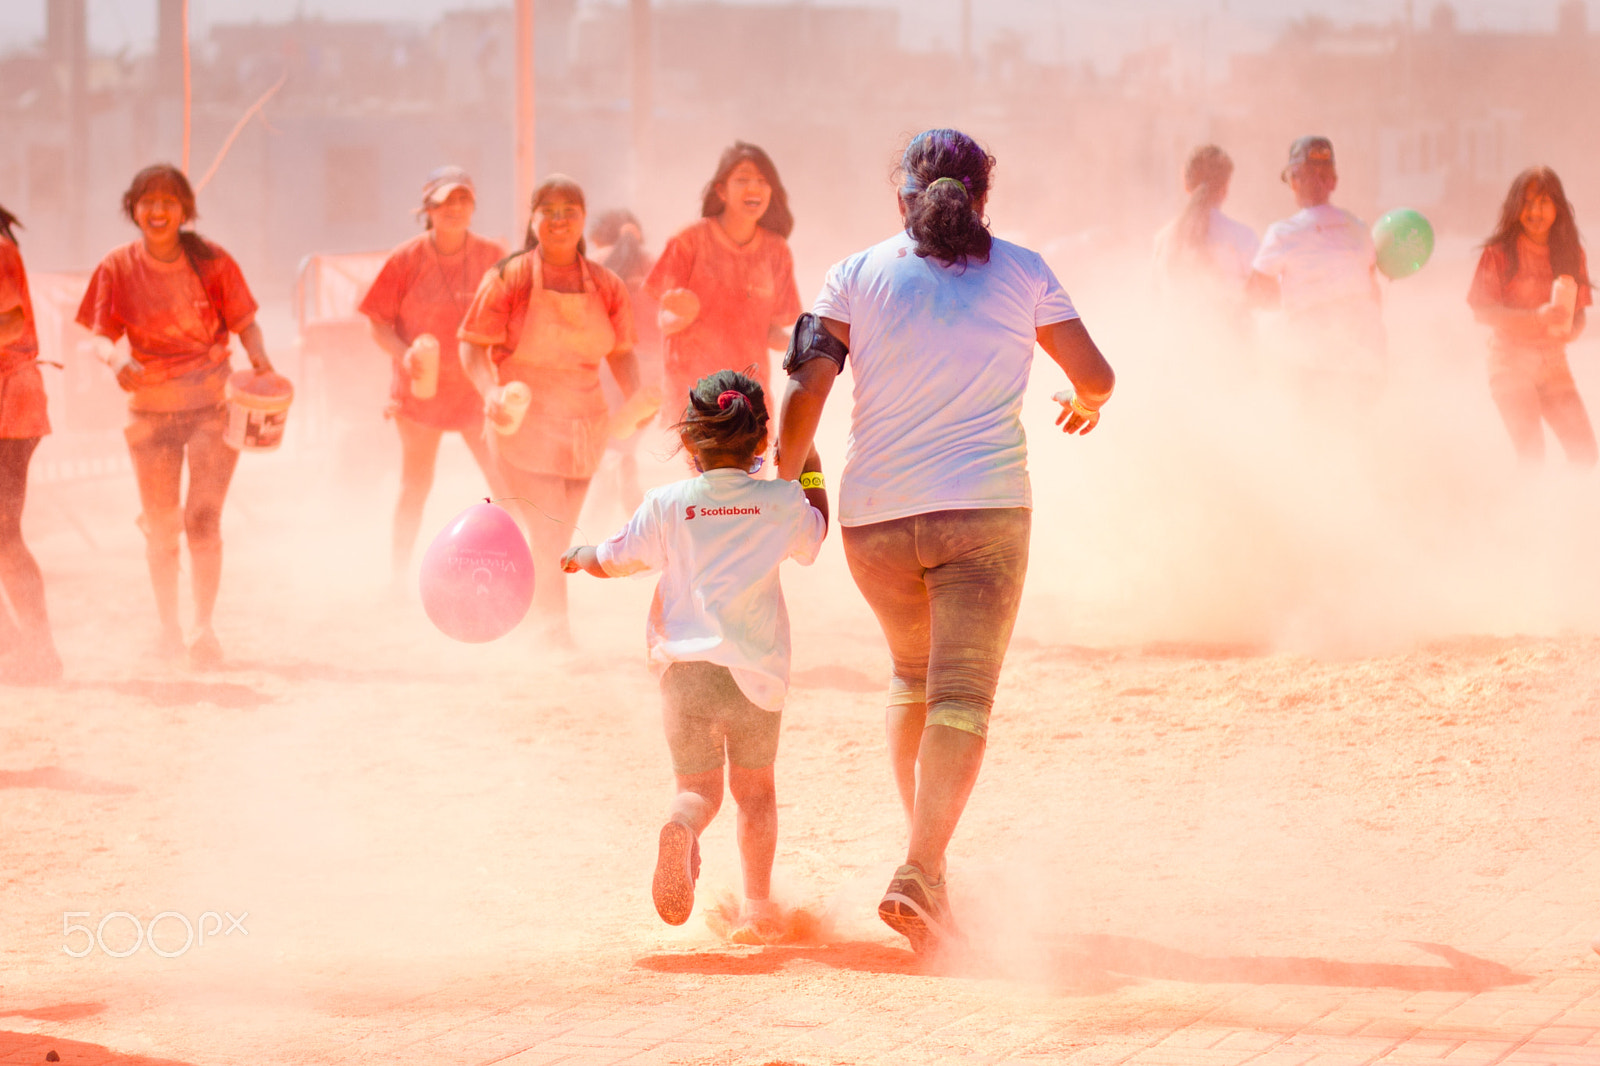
[[940, 356], [717, 540]]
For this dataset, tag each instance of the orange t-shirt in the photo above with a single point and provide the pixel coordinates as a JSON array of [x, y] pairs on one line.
[[174, 318], [420, 291], [500, 308], [743, 291], [22, 397], [1529, 288]]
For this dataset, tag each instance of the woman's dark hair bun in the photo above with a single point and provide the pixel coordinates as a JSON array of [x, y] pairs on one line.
[[944, 175]]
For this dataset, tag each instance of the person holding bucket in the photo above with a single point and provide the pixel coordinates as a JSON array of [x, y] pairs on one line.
[[533, 340], [176, 296], [32, 658], [416, 305]]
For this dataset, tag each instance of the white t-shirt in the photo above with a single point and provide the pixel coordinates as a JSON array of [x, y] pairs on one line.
[[940, 356], [1230, 246], [717, 540], [1320, 255]]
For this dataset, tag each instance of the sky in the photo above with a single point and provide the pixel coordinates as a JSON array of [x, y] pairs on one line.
[[1055, 29]]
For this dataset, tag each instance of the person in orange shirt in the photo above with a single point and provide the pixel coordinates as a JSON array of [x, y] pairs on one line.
[[176, 296], [1532, 258], [416, 305], [726, 284], [33, 659], [533, 340]]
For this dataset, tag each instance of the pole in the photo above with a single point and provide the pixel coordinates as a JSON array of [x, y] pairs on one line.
[[643, 94], [72, 36], [524, 108], [967, 65], [183, 41]]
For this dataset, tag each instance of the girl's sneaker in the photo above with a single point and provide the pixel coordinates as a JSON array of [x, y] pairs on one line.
[[919, 910], [760, 922], [677, 869]]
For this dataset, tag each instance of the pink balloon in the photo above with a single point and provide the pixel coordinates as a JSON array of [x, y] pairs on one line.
[[477, 576]]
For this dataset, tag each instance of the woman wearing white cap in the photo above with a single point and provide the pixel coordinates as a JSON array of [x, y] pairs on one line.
[[1320, 267], [416, 305]]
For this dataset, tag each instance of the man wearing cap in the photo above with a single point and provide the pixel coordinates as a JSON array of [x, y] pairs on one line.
[[1319, 266], [416, 305]]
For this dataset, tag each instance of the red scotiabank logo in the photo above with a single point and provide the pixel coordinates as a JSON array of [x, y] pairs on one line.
[[717, 512]]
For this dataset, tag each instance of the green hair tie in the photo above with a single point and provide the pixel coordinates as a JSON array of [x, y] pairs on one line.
[[957, 182]]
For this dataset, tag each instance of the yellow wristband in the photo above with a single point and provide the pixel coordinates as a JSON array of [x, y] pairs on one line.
[[812, 479], [1084, 410]]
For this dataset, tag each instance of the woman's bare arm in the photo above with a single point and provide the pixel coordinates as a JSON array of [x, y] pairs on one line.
[[1075, 352], [803, 400], [256, 348]]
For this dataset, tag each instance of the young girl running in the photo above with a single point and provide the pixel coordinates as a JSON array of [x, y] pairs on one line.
[[416, 305], [726, 284], [544, 320], [719, 632], [1531, 288], [22, 422], [177, 297]]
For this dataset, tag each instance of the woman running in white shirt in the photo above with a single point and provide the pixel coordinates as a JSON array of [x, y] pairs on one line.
[[719, 632], [939, 323]]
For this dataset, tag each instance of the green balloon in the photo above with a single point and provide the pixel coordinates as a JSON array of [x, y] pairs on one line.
[[1404, 241]]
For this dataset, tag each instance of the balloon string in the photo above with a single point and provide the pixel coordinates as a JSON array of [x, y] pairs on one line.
[[541, 510]]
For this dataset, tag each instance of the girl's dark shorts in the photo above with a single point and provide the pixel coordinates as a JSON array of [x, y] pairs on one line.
[[708, 720]]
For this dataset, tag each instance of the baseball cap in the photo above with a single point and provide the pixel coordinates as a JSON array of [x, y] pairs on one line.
[[1311, 149], [444, 181]]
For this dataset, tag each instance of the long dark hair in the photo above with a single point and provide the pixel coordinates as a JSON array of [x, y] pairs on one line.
[[1205, 179], [555, 183], [727, 415], [943, 175], [1566, 250], [619, 230], [168, 178], [7, 221], [777, 218]]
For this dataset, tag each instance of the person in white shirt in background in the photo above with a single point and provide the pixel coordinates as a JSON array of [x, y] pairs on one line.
[[939, 323], [1319, 265], [1203, 258], [719, 633]]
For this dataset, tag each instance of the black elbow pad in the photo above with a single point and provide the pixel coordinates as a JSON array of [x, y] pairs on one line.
[[811, 340]]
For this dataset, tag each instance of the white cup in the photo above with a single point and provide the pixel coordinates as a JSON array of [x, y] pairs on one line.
[[422, 364], [515, 396], [1564, 294]]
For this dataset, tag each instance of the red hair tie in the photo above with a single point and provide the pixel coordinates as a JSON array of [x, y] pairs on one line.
[[731, 396]]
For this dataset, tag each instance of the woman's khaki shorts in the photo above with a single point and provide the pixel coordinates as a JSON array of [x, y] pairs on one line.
[[945, 587]]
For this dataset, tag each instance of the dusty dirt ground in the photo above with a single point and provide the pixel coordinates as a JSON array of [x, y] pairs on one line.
[[1244, 810]]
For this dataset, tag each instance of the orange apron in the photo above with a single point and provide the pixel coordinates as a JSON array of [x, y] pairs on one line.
[[564, 338]]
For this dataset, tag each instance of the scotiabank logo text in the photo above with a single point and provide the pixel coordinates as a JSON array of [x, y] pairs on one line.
[[689, 512]]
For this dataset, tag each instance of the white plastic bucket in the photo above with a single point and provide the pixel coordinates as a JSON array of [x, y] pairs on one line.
[[515, 396], [423, 366], [258, 408]]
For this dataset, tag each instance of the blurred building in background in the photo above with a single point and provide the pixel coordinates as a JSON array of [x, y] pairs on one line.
[[1428, 116]]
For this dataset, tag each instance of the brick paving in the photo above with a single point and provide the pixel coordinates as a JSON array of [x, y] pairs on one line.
[[1187, 857]]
